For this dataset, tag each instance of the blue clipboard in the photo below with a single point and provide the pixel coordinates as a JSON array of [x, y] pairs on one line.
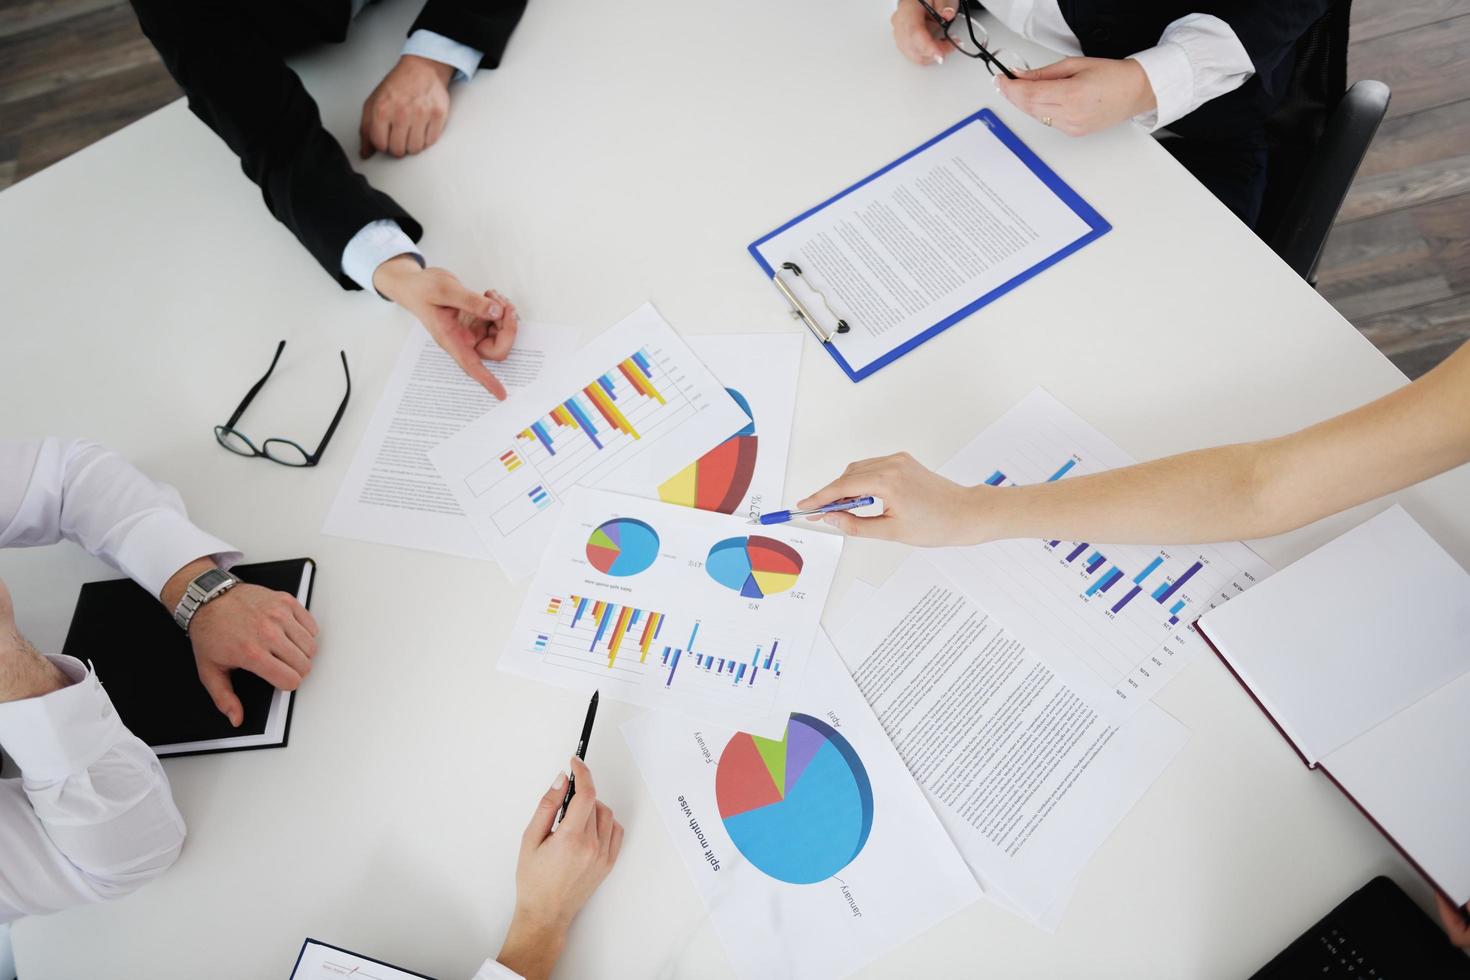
[[1097, 226]]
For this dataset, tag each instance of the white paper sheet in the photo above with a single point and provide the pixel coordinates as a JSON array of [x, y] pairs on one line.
[[745, 474], [392, 493], [623, 413], [1057, 597], [319, 961], [815, 852], [676, 608], [1024, 770], [923, 240]]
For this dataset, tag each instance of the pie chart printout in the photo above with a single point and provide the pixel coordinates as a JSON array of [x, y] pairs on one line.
[[754, 566], [800, 809], [717, 480], [622, 547]]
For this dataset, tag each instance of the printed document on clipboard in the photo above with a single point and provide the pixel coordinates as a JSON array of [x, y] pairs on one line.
[[924, 242]]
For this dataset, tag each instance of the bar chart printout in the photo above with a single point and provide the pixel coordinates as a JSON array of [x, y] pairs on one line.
[[620, 414], [1121, 614], [624, 603]]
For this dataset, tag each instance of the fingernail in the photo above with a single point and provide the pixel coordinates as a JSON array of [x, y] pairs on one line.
[[939, 59], [495, 311], [560, 781], [995, 79], [948, 12]]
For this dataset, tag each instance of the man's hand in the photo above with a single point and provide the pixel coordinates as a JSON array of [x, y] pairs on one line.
[[1081, 95], [558, 871], [24, 673], [408, 110], [249, 627], [471, 327], [916, 34]]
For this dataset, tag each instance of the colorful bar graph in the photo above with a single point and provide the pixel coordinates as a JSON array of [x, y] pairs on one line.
[[1094, 561], [1138, 579], [1179, 582], [1053, 544], [594, 405], [995, 479], [1111, 579], [1077, 551], [510, 460], [541, 640], [553, 606], [1118, 607], [539, 497], [1158, 594], [1063, 471]]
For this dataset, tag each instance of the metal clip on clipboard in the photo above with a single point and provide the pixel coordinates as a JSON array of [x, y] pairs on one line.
[[798, 308]]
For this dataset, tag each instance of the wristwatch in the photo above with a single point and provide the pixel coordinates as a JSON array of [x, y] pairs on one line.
[[209, 584]]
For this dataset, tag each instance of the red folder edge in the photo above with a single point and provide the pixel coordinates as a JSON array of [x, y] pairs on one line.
[[1200, 629]]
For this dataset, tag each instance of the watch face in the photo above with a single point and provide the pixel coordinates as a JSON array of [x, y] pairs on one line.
[[212, 579]]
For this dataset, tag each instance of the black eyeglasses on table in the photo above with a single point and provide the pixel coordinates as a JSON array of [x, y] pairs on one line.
[[973, 41], [287, 452]]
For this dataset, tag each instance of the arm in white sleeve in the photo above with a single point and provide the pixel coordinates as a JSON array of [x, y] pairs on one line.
[[464, 59], [91, 817], [52, 489], [495, 970], [1197, 59], [375, 243]]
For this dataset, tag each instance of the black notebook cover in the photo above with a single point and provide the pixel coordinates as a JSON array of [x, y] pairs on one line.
[[146, 665]]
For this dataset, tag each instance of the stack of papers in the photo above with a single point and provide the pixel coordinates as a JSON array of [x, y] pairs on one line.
[[978, 725]]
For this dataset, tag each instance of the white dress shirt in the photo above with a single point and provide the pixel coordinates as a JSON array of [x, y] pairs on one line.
[[91, 817], [494, 970], [378, 241], [1198, 57]]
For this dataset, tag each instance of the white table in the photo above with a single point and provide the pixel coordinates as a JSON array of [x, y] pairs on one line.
[[630, 151]]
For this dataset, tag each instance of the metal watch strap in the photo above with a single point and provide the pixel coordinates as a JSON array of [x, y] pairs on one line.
[[195, 596]]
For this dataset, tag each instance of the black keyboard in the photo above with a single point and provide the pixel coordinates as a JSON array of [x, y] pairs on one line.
[[1378, 933]]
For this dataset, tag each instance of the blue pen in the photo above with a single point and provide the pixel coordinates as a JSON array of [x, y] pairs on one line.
[[782, 516]]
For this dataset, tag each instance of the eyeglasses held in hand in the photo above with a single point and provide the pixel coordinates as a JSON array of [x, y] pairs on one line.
[[287, 452], [968, 36]]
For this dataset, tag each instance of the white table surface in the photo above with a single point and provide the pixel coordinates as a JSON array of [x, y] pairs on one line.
[[623, 152]]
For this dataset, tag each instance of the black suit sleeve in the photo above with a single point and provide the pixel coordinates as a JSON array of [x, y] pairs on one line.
[[236, 79], [484, 25]]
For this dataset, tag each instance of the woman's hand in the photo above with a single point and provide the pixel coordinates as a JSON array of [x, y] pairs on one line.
[[919, 506], [916, 34], [558, 871], [1081, 95], [1453, 920]]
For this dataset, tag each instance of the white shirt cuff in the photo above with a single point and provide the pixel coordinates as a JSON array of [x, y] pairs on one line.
[[1197, 59], [57, 735], [375, 243], [464, 59], [163, 542], [495, 970]]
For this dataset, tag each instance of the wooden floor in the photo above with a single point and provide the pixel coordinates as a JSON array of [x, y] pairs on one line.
[[1397, 264]]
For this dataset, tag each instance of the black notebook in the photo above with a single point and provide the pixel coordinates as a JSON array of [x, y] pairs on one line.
[[146, 665]]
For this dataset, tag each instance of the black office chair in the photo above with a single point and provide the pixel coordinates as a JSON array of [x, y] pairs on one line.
[[1316, 140], [1307, 219]]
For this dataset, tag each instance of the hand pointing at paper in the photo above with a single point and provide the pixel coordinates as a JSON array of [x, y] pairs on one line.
[[471, 327]]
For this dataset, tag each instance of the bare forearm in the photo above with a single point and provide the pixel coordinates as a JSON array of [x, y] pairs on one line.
[[532, 947], [24, 673], [1208, 495]]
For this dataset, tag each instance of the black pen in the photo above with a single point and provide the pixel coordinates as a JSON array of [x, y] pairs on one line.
[[581, 753]]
